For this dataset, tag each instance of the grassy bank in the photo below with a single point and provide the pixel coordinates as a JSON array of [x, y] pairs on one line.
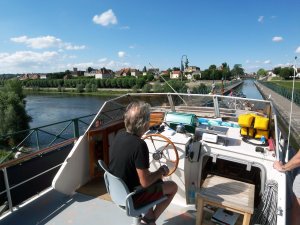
[[287, 84], [72, 91]]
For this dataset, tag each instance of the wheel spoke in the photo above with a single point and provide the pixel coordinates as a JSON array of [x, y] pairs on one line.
[[151, 138], [169, 155], [166, 146]]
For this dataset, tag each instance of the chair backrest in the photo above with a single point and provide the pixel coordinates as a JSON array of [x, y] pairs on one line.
[[121, 196], [115, 186]]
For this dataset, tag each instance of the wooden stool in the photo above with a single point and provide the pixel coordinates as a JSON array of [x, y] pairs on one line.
[[232, 195]]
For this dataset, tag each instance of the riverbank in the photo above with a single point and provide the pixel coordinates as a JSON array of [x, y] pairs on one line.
[[283, 106], [72, 91], [228, 85]]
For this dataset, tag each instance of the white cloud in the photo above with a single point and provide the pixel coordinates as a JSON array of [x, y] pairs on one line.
[[26, 56], [132, 46], [277, 39], [102, 60], [288, 64], [247, 61], [268, 61], [26, 61], [111, 64], [45, 42], [125, 28], [105, 18], [80, 66], [121, 54], [38, 42], [68, 46], [260, 19], [297, 50]]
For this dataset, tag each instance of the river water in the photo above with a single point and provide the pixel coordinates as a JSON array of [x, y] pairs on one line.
[[51, 108], [249, 89]]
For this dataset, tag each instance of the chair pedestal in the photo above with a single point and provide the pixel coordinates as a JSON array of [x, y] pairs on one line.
[[136, 220]]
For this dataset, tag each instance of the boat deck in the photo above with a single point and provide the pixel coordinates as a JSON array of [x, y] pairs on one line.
[[52, 207], [56, 208]]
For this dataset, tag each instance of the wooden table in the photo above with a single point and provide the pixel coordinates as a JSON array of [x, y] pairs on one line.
[[232, 195]]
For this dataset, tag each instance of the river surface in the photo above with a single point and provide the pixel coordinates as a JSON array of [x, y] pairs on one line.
[[249, 89], [51, 108]]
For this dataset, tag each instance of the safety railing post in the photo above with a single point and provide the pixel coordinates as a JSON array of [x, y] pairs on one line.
[[37, 139], [76, 128], [7, 189]]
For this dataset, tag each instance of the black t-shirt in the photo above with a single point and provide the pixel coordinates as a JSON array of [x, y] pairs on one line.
[[127, 153]]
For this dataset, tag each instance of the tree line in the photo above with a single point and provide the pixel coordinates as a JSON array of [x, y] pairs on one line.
[[285, 73], [13, 115]]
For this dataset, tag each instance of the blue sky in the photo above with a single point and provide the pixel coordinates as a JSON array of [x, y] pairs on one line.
[[50, 36]]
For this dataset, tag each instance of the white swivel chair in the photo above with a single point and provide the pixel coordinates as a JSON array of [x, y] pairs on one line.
[[121, 196]]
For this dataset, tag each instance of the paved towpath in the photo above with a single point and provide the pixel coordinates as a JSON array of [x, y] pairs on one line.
[[283, 106]]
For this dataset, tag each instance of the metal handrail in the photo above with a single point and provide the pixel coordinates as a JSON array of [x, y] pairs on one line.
[[6, 165], [283, 91], [34, 154], [38, 130]]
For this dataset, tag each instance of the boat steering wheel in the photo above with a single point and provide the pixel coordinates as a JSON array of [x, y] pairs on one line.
[[162, 151]]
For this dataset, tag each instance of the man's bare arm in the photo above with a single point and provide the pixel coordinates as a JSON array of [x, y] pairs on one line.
[[147, 178], [293, 163]]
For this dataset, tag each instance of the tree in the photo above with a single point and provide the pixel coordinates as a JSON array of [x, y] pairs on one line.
[[144, 69], [131, 82], [157, 87], [79, 88], [286, 72], [205, 75], [261, 73], [119, 82], [197, 77], [237, 70], [94, 87], [68, 72], [277, 70], [88, 87], [226, 74], [146, 88], [13, 115], [149, 77], [212, 67], [16, 87], [140, 83]]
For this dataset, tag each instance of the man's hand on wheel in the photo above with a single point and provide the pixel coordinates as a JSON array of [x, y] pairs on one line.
[[165, 170]]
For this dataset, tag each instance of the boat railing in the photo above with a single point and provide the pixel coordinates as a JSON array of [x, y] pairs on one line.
[[14, 180], [217, 105], [41, 137], [25, 177]]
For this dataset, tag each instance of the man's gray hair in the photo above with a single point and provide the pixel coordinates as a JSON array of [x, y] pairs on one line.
[[136, 117]]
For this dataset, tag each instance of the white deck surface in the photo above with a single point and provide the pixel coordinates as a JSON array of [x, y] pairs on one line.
[[58, 209]]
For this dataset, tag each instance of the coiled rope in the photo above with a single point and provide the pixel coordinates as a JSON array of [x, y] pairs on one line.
[[266, 212]]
